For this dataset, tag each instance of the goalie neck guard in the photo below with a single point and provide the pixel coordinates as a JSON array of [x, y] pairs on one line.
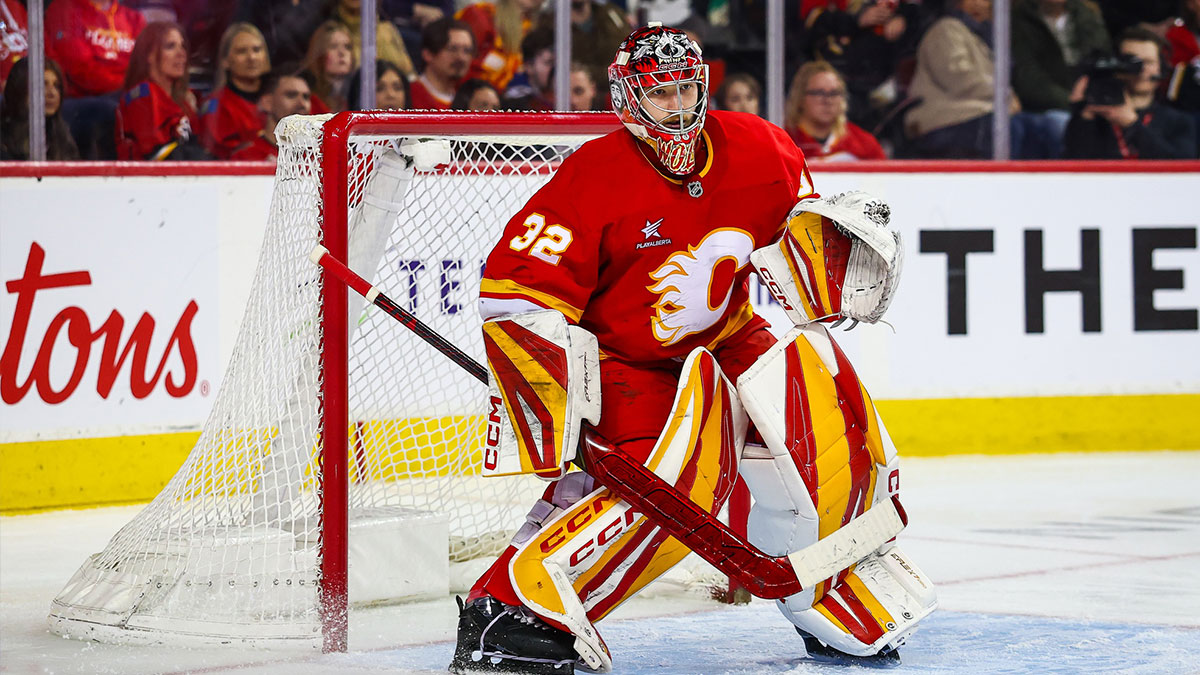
[[659, 89]]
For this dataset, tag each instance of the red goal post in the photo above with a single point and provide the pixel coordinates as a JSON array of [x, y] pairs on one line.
[[335, 184]]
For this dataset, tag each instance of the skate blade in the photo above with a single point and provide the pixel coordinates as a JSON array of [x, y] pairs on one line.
[[876, 662], [499, 664]]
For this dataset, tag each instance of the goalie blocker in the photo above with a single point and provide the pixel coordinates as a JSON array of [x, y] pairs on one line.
[[544, 382]]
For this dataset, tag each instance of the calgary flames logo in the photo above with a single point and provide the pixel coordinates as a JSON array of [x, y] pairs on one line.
[[694, 286]]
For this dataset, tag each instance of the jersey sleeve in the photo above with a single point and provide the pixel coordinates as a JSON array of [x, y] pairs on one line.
[[795, 166], [795, 171], [546, 256]]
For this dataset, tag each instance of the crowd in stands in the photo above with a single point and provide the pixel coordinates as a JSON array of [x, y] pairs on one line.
[[868, 79]]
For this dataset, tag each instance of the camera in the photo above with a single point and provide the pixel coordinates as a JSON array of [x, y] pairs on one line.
[[1107, 76]]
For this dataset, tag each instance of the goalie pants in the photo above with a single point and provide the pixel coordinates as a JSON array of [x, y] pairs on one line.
[[636, 403]]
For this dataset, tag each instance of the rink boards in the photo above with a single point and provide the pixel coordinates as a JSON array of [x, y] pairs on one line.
[[1037, 311]]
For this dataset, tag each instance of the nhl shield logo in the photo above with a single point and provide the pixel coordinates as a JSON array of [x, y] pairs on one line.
[[695, 189]]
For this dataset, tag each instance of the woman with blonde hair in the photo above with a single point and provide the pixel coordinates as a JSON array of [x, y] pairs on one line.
[[816, 117], [499, 29], [156, 118], [389, 44], [230, 119], [329, 64]]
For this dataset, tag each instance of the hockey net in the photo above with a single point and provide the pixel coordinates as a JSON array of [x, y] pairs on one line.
[[339, 464]]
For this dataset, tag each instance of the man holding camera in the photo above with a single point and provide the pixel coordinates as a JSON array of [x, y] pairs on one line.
[[1135, 125]]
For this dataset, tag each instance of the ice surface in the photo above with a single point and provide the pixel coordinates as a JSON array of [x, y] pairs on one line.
[[1045, 564]]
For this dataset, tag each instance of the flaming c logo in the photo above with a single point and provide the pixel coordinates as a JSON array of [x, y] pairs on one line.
[[694, 286]]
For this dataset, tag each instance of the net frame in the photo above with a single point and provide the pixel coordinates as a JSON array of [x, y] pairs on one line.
[[326, 164], [333, 591]]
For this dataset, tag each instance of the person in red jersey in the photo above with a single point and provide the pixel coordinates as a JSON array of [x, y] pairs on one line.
[[14, 36], [92, 40], [498, 28], [1184, 34], [446, 47], [230, 120], [156, 119], [816, 117], [628, 308]]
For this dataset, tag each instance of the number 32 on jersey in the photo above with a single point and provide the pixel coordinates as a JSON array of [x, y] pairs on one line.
[[544, 243]]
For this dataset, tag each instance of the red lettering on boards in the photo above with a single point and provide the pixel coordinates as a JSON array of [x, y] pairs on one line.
[[81, 336]]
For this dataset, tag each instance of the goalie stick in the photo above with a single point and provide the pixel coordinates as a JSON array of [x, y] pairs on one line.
[[762, 575]]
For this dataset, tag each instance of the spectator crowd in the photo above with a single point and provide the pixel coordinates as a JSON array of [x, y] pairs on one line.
[[871, 79]]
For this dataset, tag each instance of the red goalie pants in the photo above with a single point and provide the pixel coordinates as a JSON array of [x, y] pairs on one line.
[[636, 402]]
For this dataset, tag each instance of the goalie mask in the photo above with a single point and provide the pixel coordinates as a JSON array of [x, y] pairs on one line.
[[660, 91]]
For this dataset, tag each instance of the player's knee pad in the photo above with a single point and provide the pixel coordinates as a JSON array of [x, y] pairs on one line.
[[826, 443], [827, 460], [585, 560]]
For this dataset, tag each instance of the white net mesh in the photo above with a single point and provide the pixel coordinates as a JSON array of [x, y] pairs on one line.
[[230, 548]]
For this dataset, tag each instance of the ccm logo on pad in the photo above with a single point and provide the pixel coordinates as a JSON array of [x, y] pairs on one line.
[[610, 533], [773, 286], [581, 519], [491, 447]]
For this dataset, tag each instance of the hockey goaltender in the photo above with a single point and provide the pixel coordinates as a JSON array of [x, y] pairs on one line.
[[622, 314]]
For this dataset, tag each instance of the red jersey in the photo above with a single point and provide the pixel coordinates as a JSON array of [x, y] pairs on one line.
[[856, 143], [91, 45], [1185, 46], [317, 106], [231, 126], [14, 36], [661, 266], [492, 63], [151, 125], [424, 99]]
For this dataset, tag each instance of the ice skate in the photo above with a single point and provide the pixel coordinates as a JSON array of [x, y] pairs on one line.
[[498, 638], [819, 651]]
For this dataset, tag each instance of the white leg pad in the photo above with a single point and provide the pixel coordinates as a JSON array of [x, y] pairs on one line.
[[896, 584], [801, 395]]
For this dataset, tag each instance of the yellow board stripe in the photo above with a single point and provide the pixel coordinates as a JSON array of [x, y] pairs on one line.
[[45, 475], [41, 475], [1003, 426]]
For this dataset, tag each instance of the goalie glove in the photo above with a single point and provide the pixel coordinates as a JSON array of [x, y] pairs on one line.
[[837, 259]]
